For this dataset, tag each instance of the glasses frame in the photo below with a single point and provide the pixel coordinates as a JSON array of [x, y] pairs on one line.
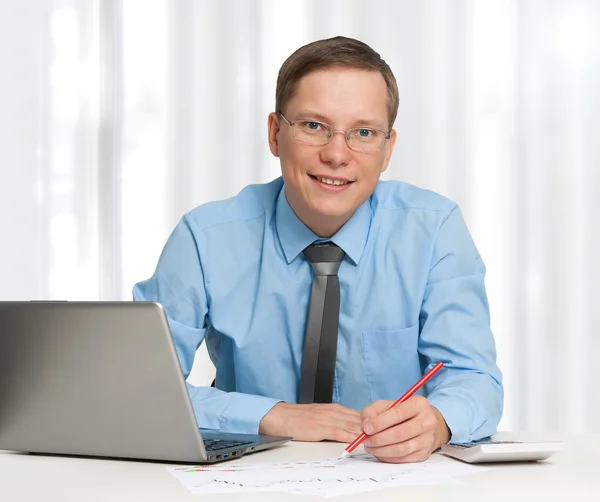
[[386, 135]]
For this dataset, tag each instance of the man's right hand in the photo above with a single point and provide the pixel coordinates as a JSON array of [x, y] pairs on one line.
[[312, 422]]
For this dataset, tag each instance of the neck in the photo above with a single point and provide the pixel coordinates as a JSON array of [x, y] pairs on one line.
[[323, 226]]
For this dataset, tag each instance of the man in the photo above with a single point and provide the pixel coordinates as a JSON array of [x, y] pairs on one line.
[[256, 277]]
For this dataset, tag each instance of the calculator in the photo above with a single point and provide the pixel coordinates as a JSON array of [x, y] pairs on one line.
[[490, 450]]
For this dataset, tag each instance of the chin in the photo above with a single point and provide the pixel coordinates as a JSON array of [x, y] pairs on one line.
[[331, 211]]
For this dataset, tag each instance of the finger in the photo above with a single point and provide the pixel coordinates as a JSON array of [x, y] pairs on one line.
[[355, 428], [374, 409], [342, 409], [399, 450], [418, 456], [336, 420], [350, 411], [341, 435], [396, 415], [399, 433]]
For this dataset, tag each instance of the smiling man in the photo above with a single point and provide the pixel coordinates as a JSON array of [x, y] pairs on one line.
[[324, 295]]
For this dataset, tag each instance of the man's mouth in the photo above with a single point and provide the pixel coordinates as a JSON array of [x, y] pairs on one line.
[[331, 181], [331, 184]]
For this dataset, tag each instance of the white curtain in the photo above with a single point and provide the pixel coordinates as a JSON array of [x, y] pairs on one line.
[[120, 115]]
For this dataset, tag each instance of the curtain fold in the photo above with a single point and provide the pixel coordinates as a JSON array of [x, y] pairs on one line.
[[133, 112]]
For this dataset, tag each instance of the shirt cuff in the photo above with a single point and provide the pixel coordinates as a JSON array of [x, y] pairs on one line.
[[454, 415], [244, 412]]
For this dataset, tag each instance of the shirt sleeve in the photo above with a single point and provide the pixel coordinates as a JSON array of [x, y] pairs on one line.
[[455, 329], [178, 285]]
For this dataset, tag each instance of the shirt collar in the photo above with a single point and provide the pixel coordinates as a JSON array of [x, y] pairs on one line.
[[294, 235]]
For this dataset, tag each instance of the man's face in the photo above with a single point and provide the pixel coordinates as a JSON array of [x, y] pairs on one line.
[[343, 98]]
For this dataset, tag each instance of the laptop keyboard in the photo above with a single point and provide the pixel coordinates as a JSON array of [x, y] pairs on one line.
[[221, 444]]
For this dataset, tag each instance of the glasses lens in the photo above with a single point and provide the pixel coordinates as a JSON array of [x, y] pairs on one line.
[[365, 140], [311, 132]]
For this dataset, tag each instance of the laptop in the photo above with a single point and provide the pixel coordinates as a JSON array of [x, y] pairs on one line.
[[102, 379]]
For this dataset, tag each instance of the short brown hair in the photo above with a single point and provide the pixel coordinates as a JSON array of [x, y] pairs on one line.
[[336, 51]]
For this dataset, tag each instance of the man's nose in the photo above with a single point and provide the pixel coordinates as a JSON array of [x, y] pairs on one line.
[[336, 152]]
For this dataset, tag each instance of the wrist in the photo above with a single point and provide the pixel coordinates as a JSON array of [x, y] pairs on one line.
[[270, 423], [442, 431]]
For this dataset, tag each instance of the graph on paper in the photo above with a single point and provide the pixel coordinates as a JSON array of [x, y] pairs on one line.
[[324, 477]]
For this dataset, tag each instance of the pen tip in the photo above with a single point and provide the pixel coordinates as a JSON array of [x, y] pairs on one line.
[[344, 454]]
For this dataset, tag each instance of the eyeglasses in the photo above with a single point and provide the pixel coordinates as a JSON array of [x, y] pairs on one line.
[[360, 139]]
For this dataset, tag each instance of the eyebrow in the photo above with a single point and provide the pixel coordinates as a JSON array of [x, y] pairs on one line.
[[309, 114]]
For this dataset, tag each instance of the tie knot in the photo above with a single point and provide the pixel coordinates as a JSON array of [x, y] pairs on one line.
[[325, 257]]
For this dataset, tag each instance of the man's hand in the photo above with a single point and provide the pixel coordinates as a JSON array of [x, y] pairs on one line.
[[312, 422], [408, 432]]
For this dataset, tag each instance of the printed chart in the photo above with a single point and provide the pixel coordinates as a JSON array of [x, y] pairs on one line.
[[325, 477]]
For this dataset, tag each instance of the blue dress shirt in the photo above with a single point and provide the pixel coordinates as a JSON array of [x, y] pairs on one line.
[[412, 291]]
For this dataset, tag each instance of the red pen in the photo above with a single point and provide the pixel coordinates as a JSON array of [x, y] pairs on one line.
[[350, 448]]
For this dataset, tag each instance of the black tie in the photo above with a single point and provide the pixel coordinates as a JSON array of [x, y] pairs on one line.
[[320, 339]]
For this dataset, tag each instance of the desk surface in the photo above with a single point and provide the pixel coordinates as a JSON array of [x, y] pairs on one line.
[[573, 473]]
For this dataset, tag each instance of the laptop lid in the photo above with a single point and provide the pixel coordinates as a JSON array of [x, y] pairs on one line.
[[94, 379]]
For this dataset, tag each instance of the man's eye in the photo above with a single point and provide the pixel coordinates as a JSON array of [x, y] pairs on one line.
[[315, 126], [365, 133]]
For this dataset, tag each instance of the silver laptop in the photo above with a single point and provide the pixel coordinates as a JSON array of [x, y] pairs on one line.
[[101, 379]]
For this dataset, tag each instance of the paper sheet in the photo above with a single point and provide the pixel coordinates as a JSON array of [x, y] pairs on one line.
[[327, 477]]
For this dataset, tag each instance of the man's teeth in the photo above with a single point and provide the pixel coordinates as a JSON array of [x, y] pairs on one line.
[[327, 181]]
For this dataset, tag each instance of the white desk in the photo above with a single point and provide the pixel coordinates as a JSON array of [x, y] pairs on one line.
[[573, 474]]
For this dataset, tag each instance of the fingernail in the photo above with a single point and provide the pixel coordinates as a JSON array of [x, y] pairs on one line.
[[367, 442], [368, 428]]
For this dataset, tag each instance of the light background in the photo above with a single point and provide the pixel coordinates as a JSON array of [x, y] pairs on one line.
[[117, 116]]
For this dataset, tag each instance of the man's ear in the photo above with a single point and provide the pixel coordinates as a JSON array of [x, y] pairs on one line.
[[389, 148], [273, 126]]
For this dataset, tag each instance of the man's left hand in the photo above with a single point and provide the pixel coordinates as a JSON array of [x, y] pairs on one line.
[[409, 432]]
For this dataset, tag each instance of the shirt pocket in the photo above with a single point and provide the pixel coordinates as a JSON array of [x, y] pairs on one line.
[[391, 361]]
